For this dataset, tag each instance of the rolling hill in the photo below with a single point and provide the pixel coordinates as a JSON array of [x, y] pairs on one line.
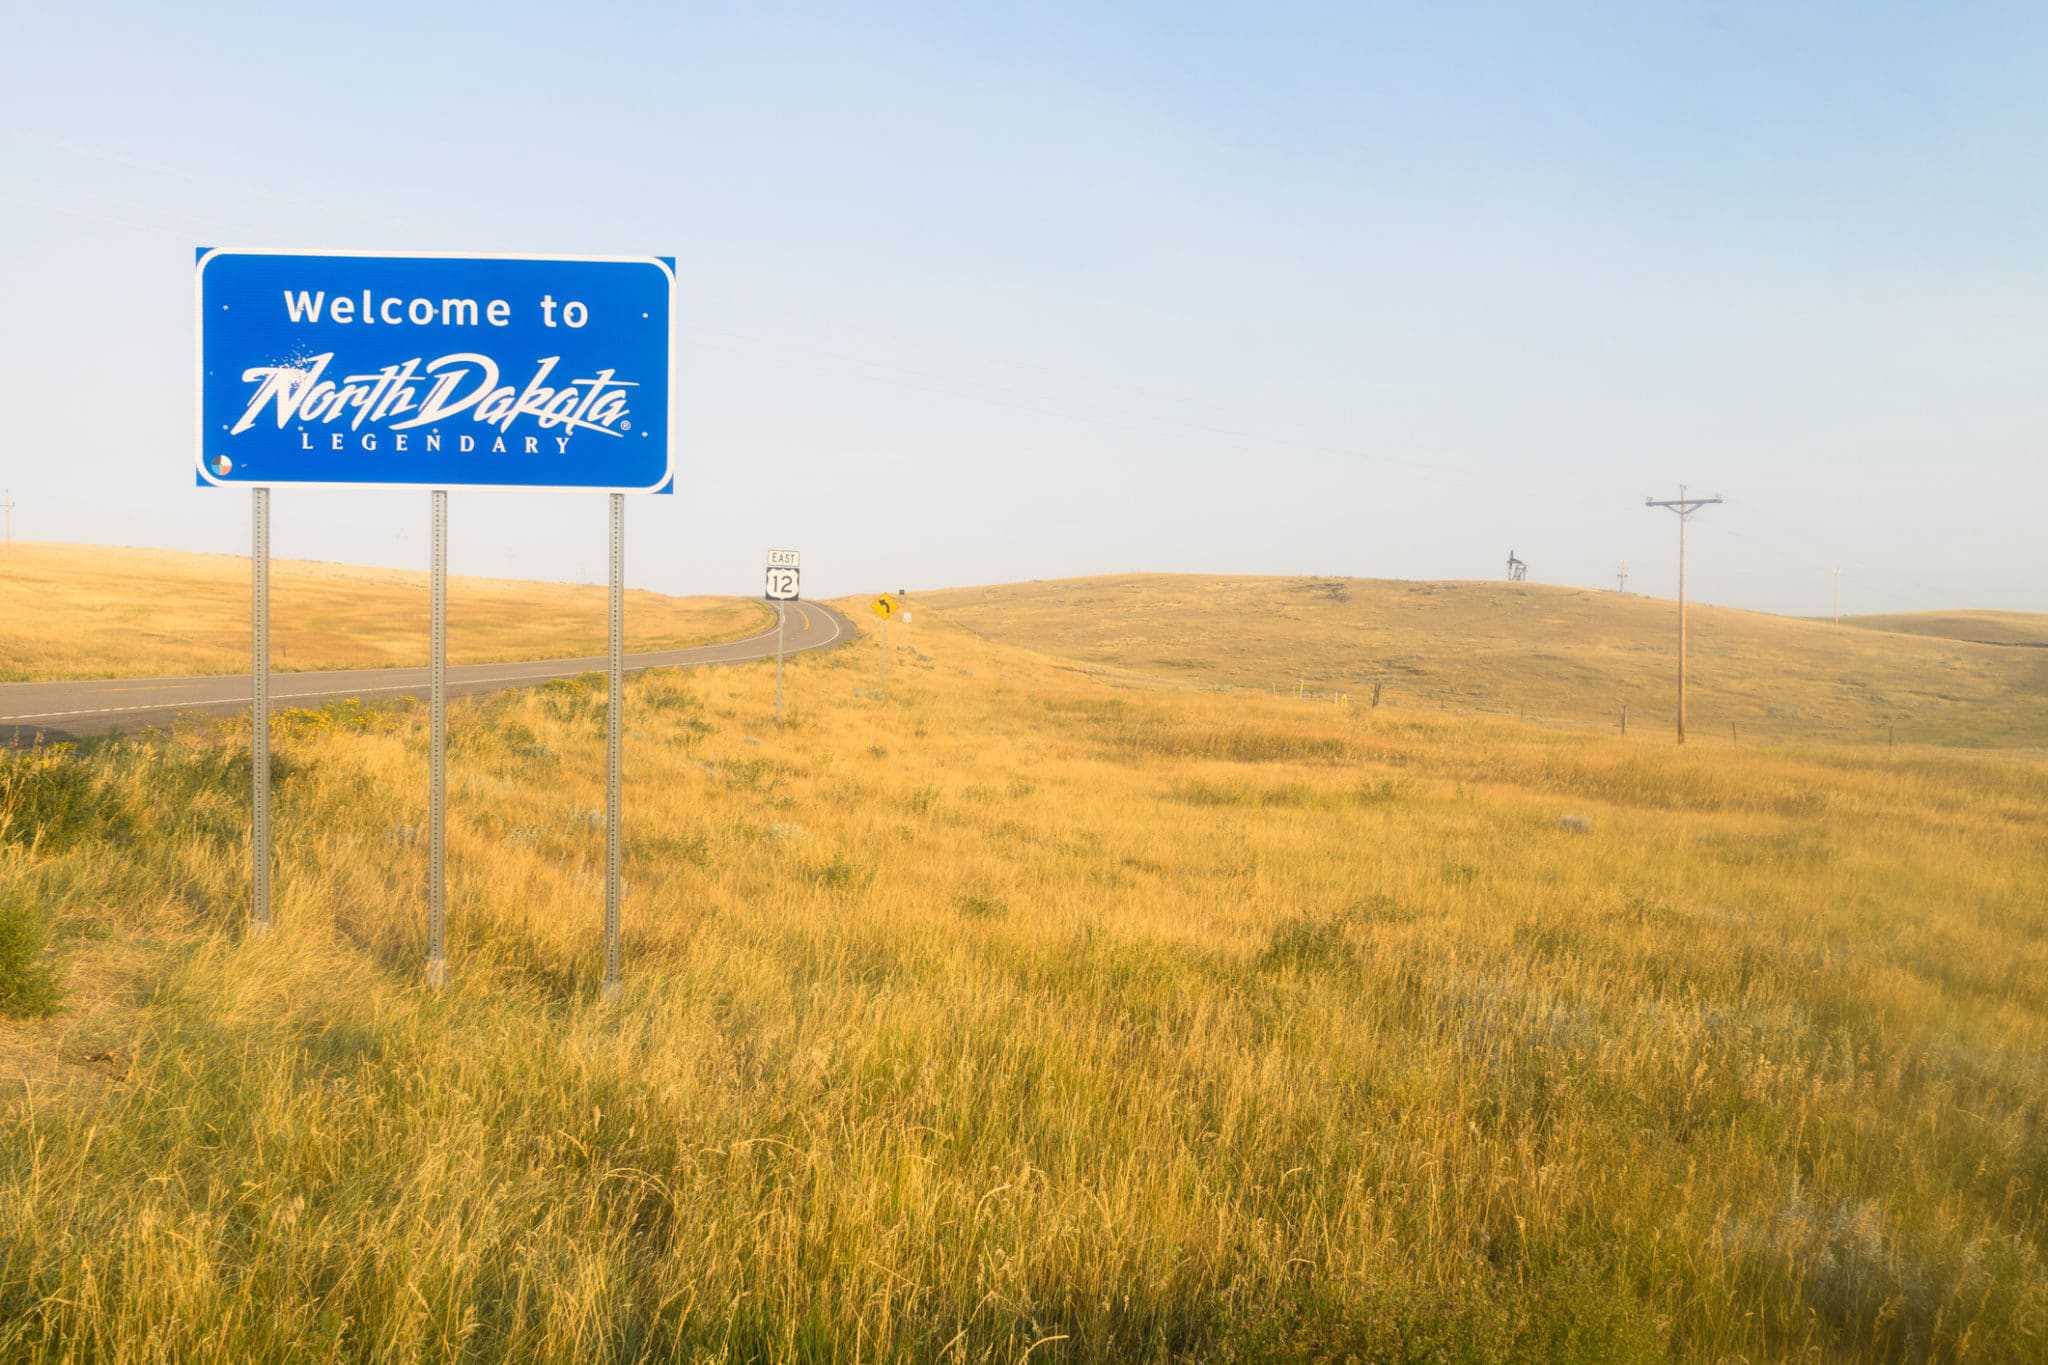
[[75, 611], [2026, 629], [1564, 655]]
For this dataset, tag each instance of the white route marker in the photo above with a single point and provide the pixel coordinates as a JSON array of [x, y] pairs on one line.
[[785, 570]]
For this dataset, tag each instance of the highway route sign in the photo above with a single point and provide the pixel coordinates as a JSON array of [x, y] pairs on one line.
[[885, 606], [784, 559], [375, 370], [782, 584]]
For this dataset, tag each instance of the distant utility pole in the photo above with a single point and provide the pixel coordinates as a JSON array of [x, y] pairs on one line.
[[1838, 594], [1517, 570], [8, 508], [1685, 507], [1621, 577]]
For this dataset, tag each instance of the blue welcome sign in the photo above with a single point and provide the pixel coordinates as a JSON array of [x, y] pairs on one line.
[[347, 369]]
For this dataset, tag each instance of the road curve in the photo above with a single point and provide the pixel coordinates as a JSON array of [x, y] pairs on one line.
[[46, 712]]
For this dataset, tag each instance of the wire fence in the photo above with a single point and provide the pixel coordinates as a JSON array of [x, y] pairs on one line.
[[1630, 717]]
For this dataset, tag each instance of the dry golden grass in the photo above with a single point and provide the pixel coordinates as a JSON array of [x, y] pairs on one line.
[[1983, 627], [93, 611], [1013, 1012], [1555, 654]]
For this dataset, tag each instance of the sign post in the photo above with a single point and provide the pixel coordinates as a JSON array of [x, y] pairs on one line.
[[435, 371], [437, 750], [614, 704], [885, 607], [259, 711], [785, 569]]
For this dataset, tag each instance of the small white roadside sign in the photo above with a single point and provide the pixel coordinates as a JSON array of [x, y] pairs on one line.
[[785, 577]]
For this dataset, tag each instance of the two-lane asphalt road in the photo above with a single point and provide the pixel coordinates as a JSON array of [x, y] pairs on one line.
[[48, 711]]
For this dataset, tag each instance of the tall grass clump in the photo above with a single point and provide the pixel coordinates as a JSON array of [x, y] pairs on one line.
[[28, 978], [53, 797]]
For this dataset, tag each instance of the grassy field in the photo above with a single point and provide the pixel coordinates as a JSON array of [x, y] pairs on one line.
[[91, 611], [1013, 1012], [1984, 627], [1565, 655]]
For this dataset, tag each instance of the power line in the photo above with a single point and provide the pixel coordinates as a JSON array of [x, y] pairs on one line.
[[1900, 580]]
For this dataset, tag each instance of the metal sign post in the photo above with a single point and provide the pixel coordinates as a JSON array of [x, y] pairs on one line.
[[784, 582], [259, 712], [437, 761], [885, 607], [614, 688]]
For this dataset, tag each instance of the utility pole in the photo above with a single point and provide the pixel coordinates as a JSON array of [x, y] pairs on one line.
[[8, 508], [1621, 578], [1838, 594], [1684, 507]]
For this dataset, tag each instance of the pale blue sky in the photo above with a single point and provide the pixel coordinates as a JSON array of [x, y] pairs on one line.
[[984, 293]]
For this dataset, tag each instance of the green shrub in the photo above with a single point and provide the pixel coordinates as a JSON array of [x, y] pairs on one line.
[[28, 979], [1303, 944], [52, 797], [841, 874], [571, 699]]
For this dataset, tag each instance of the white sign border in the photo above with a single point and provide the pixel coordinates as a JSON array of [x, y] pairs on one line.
[[199, 365]]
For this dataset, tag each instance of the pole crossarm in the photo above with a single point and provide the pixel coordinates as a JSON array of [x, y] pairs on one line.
[[1685, 507]]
